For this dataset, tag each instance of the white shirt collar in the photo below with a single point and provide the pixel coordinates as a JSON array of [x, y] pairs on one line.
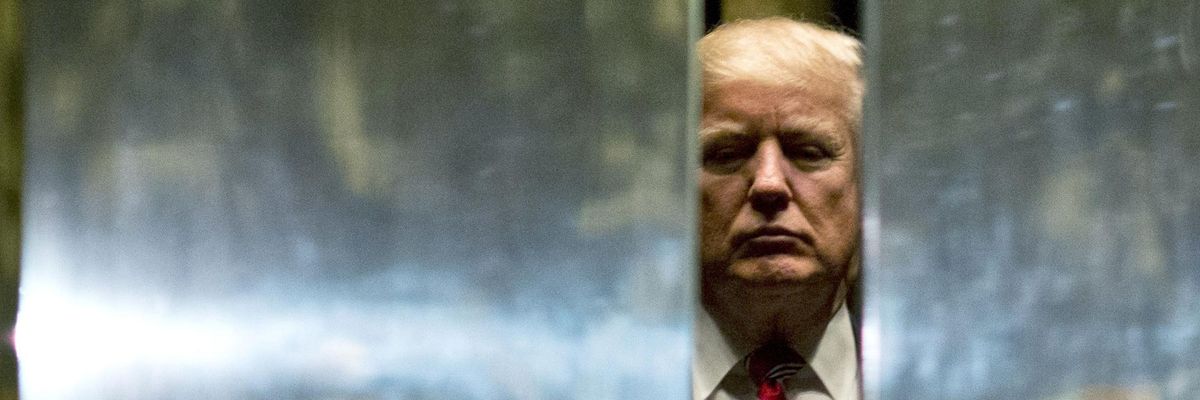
[[834, 359]]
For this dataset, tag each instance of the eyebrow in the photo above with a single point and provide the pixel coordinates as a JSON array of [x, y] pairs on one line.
[[811, 125], [723, 128], [796, 127], [815, 127]]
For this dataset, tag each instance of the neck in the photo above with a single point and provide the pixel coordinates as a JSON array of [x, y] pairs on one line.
[[751, 315]]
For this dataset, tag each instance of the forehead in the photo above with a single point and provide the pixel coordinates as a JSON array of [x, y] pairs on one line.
[[757, 107]]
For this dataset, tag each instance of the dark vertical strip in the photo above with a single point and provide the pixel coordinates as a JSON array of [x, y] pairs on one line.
[[712, 14], [10, 188], [845, 13]]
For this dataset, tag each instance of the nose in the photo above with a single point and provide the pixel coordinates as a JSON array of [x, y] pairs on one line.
[[769, 190]]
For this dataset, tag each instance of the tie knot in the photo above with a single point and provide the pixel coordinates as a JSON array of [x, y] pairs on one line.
[[773, 363]]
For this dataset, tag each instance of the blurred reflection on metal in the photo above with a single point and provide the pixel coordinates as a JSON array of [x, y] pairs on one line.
[[1032, 200], [360, 199], [10, 188]]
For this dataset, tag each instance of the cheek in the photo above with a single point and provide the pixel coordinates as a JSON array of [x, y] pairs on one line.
[[843, 197], [833, 201], [840, 224], [720, 200]]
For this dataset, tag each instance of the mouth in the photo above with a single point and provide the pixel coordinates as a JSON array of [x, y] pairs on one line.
[[770, 240]]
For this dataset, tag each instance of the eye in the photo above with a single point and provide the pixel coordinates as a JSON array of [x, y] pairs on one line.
[[725, 156], [809, 155], [807, 152]]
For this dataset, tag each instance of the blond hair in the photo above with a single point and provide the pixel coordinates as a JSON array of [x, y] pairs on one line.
[[782, 52]]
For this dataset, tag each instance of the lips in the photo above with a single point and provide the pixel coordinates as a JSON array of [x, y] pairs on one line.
[[770, 240]]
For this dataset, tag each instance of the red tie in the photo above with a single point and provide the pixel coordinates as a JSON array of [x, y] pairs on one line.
[[769, 366]]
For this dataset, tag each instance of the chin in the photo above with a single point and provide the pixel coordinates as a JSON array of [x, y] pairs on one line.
[[779, 270]]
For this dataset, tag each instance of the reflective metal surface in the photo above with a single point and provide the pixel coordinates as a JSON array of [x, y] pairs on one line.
[[357, 200], [10, 187], [1032, 200]]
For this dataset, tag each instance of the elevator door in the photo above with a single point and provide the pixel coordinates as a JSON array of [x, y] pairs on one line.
[[1032, 202], [357, 200]]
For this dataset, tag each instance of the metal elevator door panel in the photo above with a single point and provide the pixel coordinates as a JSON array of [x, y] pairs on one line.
[[357, 200], [1032, 202]]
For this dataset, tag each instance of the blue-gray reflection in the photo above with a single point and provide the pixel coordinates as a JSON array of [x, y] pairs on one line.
[[362, 199], [1031, 225]]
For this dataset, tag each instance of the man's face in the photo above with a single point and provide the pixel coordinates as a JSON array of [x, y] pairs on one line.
[[779, 193]]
